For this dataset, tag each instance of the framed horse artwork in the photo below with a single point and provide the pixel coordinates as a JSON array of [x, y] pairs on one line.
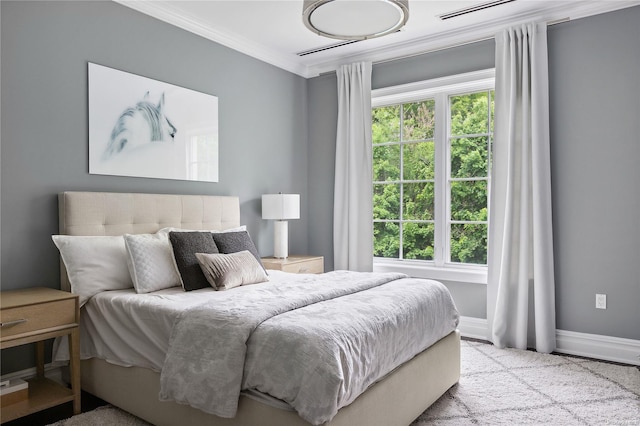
[[148, 128]]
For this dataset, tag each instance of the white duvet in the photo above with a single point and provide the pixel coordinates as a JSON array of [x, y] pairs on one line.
[[313, 341]]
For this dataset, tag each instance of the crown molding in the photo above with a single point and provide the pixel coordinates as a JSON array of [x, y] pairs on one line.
[[307, 68], [471, 34], [163, 11]]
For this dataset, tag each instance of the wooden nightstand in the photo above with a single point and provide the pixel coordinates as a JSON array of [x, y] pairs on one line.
[[32, 316], [296, 264]]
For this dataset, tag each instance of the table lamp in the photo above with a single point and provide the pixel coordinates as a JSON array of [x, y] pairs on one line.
[[281, 207]]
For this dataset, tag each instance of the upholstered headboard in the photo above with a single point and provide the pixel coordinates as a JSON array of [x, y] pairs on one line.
[[111, 213]]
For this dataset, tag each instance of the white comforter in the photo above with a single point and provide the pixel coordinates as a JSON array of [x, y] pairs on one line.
[[316, 344], [395, 321]]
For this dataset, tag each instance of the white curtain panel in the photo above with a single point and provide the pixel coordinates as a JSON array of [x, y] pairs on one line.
[[521, 288], [353, 195]]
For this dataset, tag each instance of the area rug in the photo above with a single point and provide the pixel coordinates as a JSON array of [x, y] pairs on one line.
[[514, 387], [504, 387], [107, 415]]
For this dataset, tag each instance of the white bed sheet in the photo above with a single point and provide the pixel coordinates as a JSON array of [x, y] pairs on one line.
[[130, 329]]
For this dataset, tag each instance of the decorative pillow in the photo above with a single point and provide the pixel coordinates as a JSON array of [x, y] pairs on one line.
[[225, 271], [166, 231], [233, 242], [185, 246], [94, 264], [150, 261]]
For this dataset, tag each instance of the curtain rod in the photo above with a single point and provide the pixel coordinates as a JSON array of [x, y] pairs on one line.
[[451, 46], [464, 43]]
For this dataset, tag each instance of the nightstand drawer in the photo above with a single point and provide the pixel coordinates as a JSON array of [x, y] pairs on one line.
[[296, 264], [314, 266], [34, 315], [38, 317]]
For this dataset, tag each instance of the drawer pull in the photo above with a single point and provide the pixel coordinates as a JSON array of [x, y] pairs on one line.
[[12, 323]]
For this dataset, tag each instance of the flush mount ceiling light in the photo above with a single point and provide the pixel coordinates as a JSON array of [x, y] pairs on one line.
[[355, 19]]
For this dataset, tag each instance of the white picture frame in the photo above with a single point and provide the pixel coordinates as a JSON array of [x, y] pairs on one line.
[[142, 127]]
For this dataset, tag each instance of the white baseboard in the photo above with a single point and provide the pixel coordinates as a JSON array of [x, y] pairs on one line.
[[597, 346], [474, 328], [571, 343]]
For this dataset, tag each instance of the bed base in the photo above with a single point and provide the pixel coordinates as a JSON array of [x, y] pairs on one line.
[[396, 400]]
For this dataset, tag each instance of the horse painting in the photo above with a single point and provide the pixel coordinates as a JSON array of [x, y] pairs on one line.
[[139, 125]]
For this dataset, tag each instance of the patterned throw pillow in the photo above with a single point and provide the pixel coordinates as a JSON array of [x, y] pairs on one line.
[[185, 246], [225, 271], [150, 261]]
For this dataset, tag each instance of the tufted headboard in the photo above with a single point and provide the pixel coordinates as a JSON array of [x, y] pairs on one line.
[[112, 213]]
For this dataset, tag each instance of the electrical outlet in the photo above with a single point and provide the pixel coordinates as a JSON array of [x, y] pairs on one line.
[[601, 301]]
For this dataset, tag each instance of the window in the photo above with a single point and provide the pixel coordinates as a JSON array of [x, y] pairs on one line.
[[431, 170]]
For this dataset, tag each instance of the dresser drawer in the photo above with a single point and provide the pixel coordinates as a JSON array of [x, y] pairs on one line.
[[38, 317]]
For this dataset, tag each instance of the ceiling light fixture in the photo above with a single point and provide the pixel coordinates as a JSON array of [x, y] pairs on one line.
[[355, 19]]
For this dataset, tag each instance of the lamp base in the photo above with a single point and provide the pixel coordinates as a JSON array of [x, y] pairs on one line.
[[281, 239]]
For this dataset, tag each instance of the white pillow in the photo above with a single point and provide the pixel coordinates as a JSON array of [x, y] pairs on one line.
[[150, 262], [94, 264]]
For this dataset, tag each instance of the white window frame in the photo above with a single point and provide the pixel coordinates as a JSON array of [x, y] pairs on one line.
[[439, 89]]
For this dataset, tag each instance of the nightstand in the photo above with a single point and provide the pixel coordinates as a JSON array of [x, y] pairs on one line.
[[34, 315], [296, 264]]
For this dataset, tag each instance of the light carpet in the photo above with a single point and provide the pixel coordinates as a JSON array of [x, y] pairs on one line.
[[514, 387], [504, 387]]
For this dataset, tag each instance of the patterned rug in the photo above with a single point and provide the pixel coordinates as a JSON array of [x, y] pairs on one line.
[[504, 387], [513, 387]]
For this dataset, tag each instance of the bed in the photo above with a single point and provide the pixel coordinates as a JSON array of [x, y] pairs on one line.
[[397, 398]]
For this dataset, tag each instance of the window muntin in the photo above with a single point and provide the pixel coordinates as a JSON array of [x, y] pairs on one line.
[[431, 175]]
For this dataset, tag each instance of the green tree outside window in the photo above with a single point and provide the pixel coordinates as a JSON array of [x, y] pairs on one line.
[[404, 173]]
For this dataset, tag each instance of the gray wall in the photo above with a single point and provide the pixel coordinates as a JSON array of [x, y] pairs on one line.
[[45, 49], [594, 68], [594, 79], [323, 120]]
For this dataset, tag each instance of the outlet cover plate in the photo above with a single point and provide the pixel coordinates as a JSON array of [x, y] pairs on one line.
[[601, 301]]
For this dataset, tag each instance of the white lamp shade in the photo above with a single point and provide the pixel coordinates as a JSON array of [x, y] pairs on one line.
[[281, 206]]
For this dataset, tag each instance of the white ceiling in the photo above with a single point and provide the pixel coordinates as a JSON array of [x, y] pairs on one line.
[[272, 30]]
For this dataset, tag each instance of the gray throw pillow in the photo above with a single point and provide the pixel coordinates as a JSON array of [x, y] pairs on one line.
[[233, 242], [185, 246]]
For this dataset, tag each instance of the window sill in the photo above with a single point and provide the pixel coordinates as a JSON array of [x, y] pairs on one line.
[[466, 274]]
